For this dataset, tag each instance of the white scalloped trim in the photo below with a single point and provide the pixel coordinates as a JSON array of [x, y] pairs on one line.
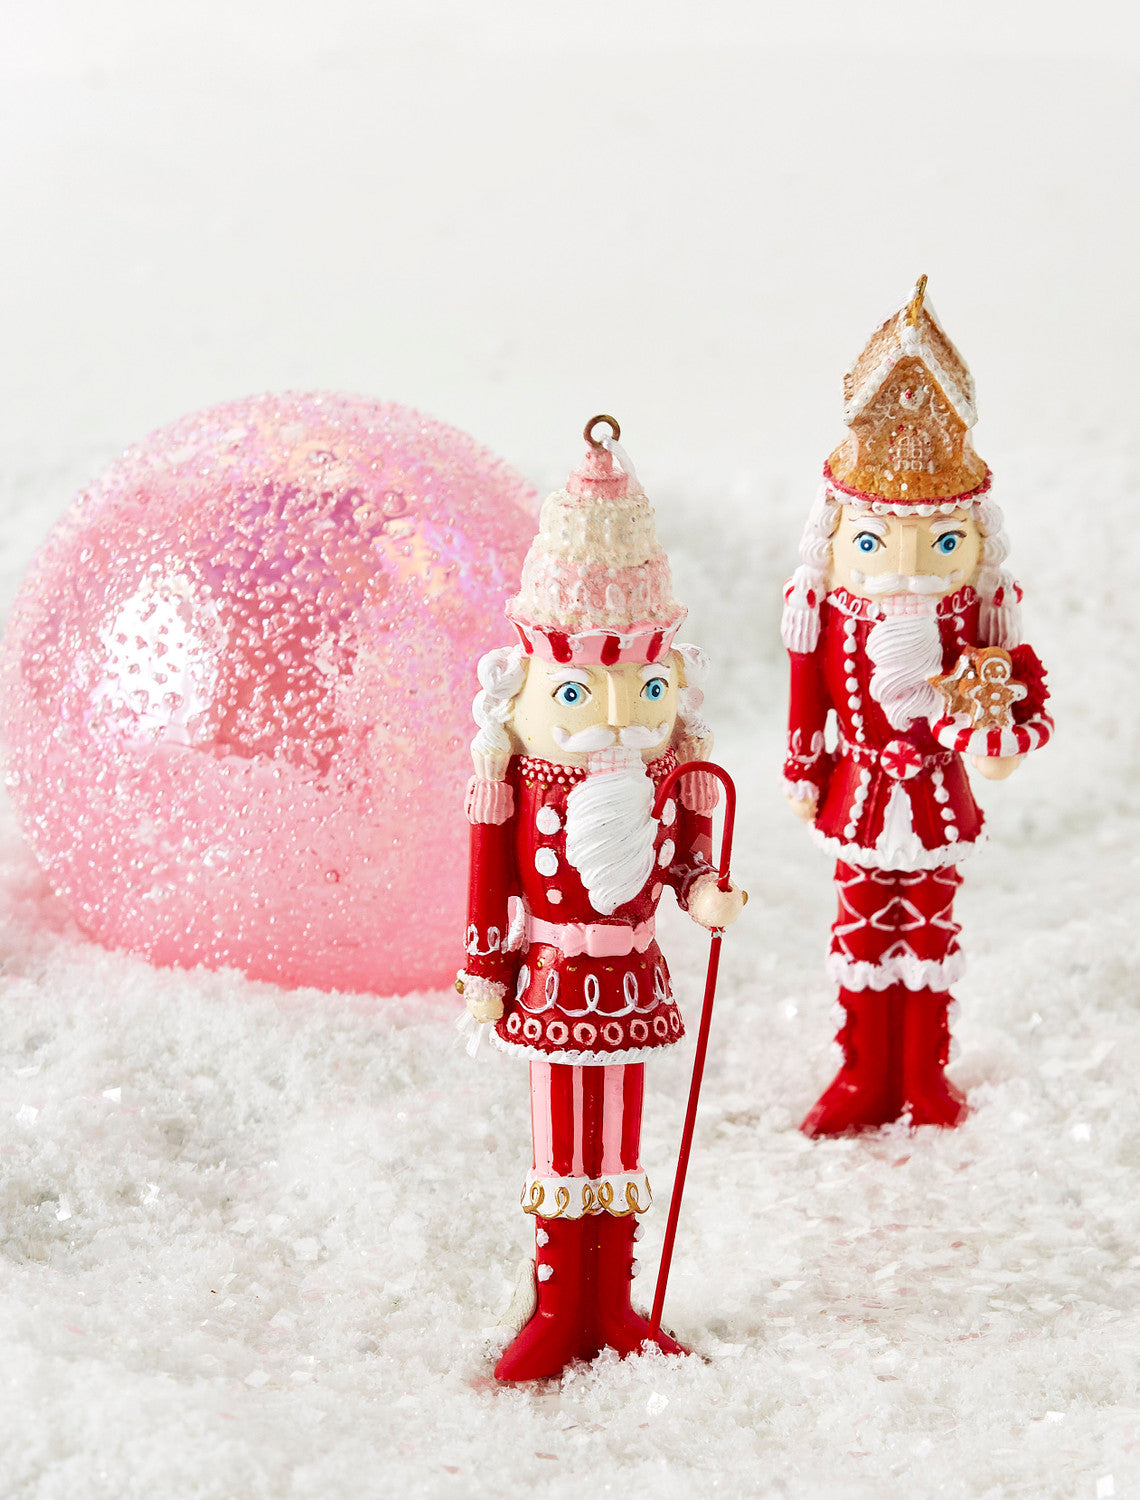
[[800, 790], [580, 1059], [871, 859], [915, 973]]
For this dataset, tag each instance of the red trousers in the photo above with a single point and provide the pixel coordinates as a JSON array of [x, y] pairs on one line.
[[895, 927], [586, 1123]]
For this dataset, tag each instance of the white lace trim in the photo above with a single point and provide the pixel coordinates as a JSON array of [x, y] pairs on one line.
[[800, 790], [580, 1059], [871, 859], [903, 968]]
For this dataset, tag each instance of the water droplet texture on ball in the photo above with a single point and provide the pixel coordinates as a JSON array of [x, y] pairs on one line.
[[237, 686]]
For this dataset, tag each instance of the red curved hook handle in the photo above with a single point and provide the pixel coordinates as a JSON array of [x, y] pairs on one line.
[[707, 766]]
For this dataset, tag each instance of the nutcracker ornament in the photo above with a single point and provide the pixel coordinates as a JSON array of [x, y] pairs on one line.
[[902, 623], [578, 823]]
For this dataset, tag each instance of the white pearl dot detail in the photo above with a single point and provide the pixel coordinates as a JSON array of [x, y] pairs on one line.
[[546, 861], [665, 853], [547, 820], [669, 813]]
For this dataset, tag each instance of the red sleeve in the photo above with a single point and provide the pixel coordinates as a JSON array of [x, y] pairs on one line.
[[694, 850], [808, 707], [491, 882]]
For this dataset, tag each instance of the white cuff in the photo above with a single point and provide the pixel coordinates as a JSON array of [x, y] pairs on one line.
[[484, 997]]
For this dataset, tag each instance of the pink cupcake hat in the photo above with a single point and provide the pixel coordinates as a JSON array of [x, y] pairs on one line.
[[596, 587]]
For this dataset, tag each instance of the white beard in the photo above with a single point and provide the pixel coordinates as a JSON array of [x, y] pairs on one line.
[[905, 649], [610, 835]]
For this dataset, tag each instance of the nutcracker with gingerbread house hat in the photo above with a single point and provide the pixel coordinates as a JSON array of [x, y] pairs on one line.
[[902, 623], [579, 724]]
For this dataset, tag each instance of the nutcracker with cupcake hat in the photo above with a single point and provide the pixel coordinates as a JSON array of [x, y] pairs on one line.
[[580, 723]]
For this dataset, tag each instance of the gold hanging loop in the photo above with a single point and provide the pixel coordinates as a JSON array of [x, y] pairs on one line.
[[588, 430]]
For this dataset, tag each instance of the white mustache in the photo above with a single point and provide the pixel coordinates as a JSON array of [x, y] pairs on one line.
[[643, 736], [899, 583], [601, 737]]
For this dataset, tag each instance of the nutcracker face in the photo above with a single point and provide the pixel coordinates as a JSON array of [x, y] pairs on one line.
[[564, 713], [932, 555]]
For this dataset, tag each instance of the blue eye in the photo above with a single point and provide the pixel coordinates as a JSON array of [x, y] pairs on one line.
[[867, 542], [949, 543], [655, 689], [571, 694]]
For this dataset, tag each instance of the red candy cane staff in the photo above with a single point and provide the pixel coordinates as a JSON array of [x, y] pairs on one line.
[[663, 793]]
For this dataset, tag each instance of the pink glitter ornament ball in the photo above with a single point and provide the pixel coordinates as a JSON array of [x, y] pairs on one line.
[[237, 688]]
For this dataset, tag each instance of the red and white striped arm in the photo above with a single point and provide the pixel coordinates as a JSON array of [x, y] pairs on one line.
[[954, 732]]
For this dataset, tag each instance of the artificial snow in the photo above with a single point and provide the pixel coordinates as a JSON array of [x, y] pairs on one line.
[[256, 1243]]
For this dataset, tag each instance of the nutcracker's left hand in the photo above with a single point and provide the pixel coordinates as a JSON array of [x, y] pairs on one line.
[[995, 767], [712, 907]]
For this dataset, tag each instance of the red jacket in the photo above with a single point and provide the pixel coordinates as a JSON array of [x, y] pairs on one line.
[[888, 798], [566, 1003]]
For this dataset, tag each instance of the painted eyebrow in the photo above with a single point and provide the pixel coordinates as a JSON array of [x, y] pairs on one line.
[[559, 675], [647, 674], [943, 528], [870, 523]]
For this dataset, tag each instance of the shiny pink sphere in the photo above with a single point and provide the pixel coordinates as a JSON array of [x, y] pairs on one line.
[[236, 689]]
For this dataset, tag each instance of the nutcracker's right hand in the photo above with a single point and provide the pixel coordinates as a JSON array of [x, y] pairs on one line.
[[804, 807], [484, 997]]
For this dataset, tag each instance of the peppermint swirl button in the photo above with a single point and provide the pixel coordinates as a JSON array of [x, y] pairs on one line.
[[901, 760]]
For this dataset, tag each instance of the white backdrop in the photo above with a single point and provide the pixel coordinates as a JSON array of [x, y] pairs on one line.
[[264, 1264]]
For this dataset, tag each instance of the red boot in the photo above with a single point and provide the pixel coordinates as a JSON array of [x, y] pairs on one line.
[[562, 1328], [930, 1096], [618, 1326], [867, 1090]]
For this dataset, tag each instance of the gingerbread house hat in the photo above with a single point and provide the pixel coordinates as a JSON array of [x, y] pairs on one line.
[[909, 405], [596, 587]]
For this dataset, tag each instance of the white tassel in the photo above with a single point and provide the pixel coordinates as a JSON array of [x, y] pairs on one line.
[[799, 626], [1000, 624], [468, 1023]]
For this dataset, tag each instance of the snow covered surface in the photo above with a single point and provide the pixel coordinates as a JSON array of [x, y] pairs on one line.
[[253, 1243]]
